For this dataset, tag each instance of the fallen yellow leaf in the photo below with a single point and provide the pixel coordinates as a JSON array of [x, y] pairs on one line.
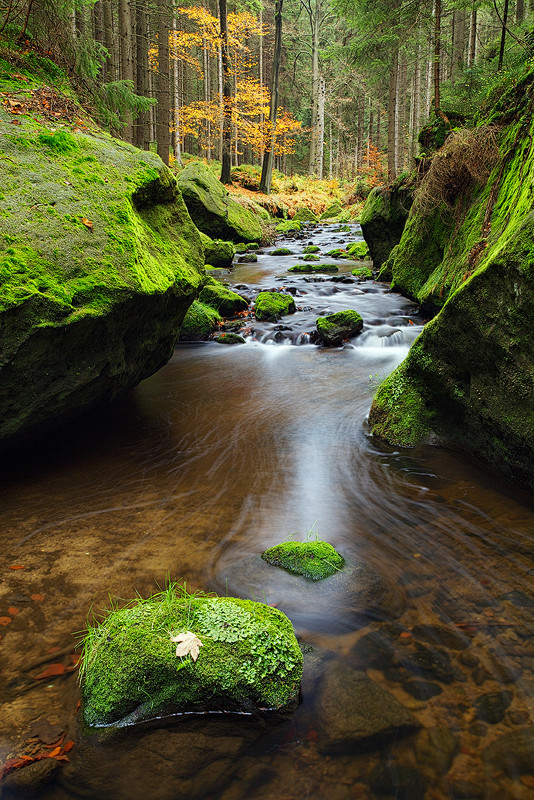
[[188, 644]]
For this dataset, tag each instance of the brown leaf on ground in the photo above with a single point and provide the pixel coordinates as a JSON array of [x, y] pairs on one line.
[[87, 222], [13, 611], [38, 598], [51, 671], [16, 566], [5, 620]]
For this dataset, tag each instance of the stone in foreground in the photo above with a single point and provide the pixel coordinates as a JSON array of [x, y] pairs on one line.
[[314, 560], [178, 652], [337, 328], [355, 712], [273, 305]]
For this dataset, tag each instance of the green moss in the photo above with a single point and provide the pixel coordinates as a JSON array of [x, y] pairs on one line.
[[332, 211], [304, 214], [337, 252], [314, 268], [216, 252], [359, 250], [314, 560], [310, 257], [282, 251], [199, 322], [229, 338], [248, 660], [311, 248], [59, 142], [223, 300], [273, 305], [362, 272], [288, 226], [384, 216], [336, 328]]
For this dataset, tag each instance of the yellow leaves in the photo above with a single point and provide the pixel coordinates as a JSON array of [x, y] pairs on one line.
[[188, 643], [88, 224]]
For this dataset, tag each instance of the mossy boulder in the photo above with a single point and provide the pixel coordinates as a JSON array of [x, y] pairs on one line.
[[304, 214], [216, 252], [99, 262], [314, 560], [199, 322], [310, 257], [383, 218], [337, 252], [311, 248], [314, 268], [288, 226], [359, 250], [336, 328], [241, 656], [362, 272], [213, 209], [222, 299], [271, 306], [229, 338], [282, 251], [468, 380], [332, 211]]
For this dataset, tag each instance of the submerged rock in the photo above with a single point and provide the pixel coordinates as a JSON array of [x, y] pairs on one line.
[[513, 752], [177, 652], [336, 328], [315, 560], [213, 210], [273, 305], [355, 712], [98, 268]]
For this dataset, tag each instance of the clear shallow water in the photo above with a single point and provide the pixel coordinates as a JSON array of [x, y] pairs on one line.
[[224, 452]]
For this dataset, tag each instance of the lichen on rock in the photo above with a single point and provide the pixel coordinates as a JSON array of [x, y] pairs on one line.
[[249, 659]]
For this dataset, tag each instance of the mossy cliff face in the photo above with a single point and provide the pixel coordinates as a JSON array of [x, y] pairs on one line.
[[99, 261], [213, 210], [244, 657], [469, 378], [383, 219]]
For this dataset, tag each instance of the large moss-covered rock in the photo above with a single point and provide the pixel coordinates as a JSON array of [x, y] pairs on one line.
[[176, 652], [216, 252], [273, 305], [469, 378], [213, 209], [223, 300], [99, 262], [383, 218], [199, 322], [336, 328], [304, 214], [314, 268]]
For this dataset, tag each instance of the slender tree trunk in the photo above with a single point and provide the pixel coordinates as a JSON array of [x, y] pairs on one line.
[[401, 105], [458, 42], [96, 16], [361, 121], [437, 58], [320, 127], [378, 141], [370, 131], [260, 68], [227, 98], [163, 83], [519, 11], [392, 104], [472, 36], [268, 156], [503, 35], [176, 96], [127, 61], [315, 23], [142, 85], [416, 109], [221, 101], [109, 67]]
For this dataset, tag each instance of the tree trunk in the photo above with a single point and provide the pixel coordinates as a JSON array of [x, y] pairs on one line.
[[176, 98], [416, 108], [472, 36], [260, 68], [320, 128], [458, 42], [127, 61], [315, 23], [109, 66], [227, 98], [401, 106], [361, 121], [268, 156], [519, 11], [162, 83], [437, 58], [503, 35], [141, 133], [392, 103]]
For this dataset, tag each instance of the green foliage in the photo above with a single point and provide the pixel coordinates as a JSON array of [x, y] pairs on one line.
[[314, 560], [59, 142], [116, 100]]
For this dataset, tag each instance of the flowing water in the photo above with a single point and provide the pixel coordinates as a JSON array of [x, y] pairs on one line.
[[229, 450]]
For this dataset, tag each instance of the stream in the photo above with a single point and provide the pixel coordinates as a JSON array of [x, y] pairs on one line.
[[229, 450]]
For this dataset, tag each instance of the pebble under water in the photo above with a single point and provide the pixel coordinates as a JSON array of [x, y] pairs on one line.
[[419, 668]]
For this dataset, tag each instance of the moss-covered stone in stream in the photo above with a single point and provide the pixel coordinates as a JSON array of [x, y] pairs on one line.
[[99, 262], [331, 212], [314, 560], [304, 214], [384, 216], [362, 272], [336, 328], [310, 257], [199, 322], [288, 226], [468, 380], [311, 248], [248, 659], [359, 250], [282, 251], [213, 210], [229, 338], [216, 252], [314, 268], [273, 305], [223, 300]]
